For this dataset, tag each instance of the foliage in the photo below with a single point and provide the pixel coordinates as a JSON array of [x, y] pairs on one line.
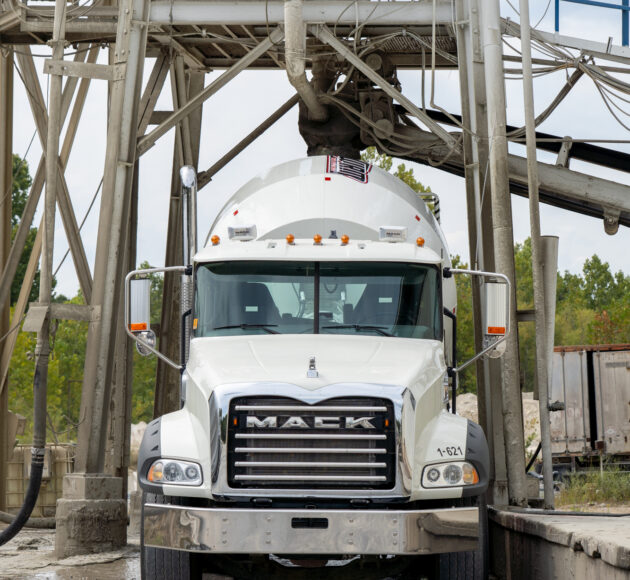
[[19, 195], [371, 155], [22, 182], [610, 485], [467, 381], [591, 308]]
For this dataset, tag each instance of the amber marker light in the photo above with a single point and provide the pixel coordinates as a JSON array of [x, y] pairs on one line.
[[317, 239], [420, 242], [215, 240], [155, 473], [290, 239], [469, 474], [137, 326], [344, 239]]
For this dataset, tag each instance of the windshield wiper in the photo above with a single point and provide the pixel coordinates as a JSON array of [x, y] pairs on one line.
[[265, 327], [360, 327]]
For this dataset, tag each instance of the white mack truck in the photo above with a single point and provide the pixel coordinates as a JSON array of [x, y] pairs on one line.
[[316, 437]]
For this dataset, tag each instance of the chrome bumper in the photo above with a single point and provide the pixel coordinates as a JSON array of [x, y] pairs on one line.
[[260, 531]]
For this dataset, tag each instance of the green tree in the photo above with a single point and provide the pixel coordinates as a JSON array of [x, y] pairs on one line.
[[21, 185], [465, 329]]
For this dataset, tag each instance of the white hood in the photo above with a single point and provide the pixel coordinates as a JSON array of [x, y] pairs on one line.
[[338, 358]]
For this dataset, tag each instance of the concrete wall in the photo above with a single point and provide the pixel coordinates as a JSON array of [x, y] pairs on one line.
[[559, 547]]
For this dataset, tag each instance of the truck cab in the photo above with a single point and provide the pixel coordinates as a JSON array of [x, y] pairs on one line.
[[315, 424]]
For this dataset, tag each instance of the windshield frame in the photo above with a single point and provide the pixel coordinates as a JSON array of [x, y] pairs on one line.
[[319, 321]]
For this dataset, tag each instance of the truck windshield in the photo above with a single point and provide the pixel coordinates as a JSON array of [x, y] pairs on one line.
[[372, 298]]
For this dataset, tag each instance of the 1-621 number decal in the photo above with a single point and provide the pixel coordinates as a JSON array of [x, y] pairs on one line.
[[451, 451]]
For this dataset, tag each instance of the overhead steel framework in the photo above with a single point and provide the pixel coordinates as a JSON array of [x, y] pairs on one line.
[[354, 50]]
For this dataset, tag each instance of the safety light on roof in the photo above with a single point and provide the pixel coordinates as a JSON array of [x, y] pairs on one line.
[[215, 240], [344, 239], [420, 241], [392, 233], [242, 233], [290, 239], [317, 239]]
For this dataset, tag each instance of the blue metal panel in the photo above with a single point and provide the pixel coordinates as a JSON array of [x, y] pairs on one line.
[[624, 7]]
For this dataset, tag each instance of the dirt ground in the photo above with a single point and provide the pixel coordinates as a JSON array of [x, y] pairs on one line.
[[467, 407], [30, 556]]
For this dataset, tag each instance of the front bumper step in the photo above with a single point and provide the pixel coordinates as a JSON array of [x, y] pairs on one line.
[[260, 531]]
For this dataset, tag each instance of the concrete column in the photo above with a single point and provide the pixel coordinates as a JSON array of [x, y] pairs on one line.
[[6, 180]]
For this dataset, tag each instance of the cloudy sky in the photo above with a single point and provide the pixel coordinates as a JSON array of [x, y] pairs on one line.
[[233, 112]]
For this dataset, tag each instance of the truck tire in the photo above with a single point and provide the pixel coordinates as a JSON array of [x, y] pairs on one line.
[[160, 563], [469, 565]]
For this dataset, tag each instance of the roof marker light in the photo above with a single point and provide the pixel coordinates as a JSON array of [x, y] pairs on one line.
[[420, 241], [215, 240], [417, 217], [392, 233], [245, 233], [344, 239], [317, 239], [290, 239]]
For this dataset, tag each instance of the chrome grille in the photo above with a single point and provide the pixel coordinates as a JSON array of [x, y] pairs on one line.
[[287, 444]]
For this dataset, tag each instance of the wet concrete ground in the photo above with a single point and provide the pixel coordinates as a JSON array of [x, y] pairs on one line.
[[30, 556]]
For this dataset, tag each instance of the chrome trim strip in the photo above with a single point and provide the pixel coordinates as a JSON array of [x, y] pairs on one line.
[[358, 478], [302, 409], [265, 531], [401, 397], [320, 436], [347, 450], [306, 464]]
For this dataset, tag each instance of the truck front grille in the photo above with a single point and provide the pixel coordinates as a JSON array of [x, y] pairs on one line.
[[283, 443]]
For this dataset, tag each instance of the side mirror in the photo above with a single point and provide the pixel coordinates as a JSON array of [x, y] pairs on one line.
[[495, 317], [138, 310], [140, 314]]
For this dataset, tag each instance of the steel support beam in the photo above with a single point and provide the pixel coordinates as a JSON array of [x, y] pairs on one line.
[[62, 194], [6, 184], [206, 176], [149, 140], [152, 92], [22, 303], [117, 183], [333, 12], [504, 246], [480, 231], [167, 389], [37, 186], [542, 353]]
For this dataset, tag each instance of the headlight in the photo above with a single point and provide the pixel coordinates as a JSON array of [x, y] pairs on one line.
[[450, 474], [174, 472]]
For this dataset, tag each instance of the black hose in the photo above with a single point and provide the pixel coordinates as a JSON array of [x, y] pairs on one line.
[[38, 450]]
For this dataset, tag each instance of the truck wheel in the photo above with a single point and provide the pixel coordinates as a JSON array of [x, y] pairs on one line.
[[160, 563], [469, 565]]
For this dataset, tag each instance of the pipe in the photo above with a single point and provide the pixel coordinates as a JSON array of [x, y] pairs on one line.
[[295, 57], [188, 177], [37, 461], [39, 523]]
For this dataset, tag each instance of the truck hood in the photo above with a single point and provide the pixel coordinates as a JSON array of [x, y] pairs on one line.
[[338, 359]]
